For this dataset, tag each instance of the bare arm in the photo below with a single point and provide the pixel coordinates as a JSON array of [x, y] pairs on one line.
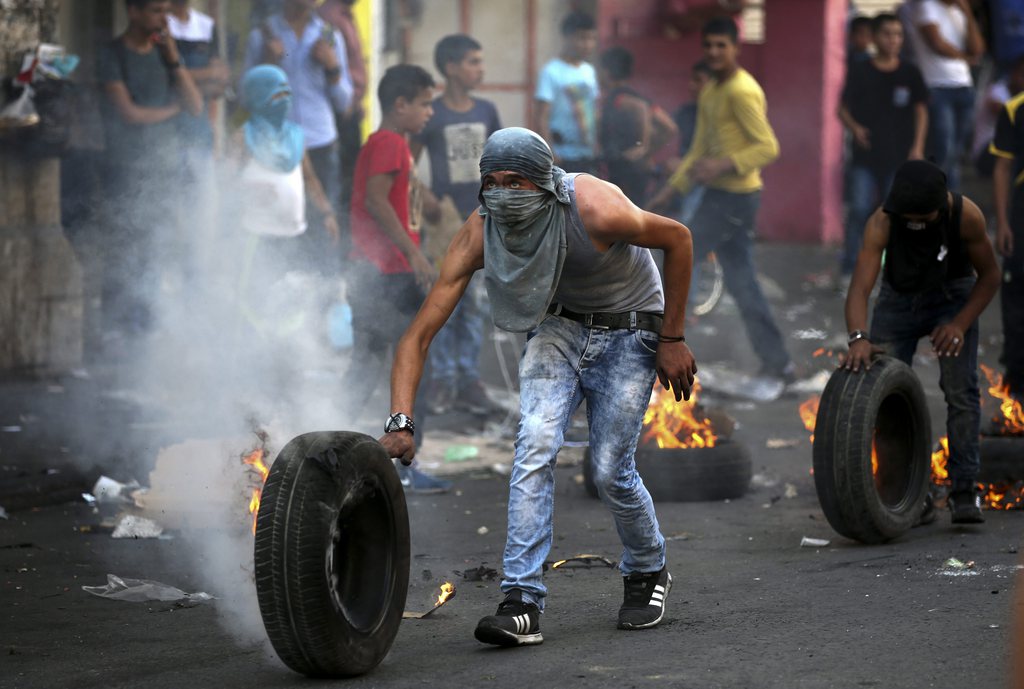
[[316, 193], [610, 217], [860, 133], [377, 189], [541, 123], [188, 93], [865, 273], [920, 131], [1001, 175], [663, 129], [131, 113], [464, 257]]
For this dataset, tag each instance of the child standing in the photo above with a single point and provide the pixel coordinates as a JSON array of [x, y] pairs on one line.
[[389, 275], [454, 138]]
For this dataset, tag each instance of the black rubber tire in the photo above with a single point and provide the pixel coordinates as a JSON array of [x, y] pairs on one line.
[[332, 554], [885, 404], [1002, 459], [694, 474]]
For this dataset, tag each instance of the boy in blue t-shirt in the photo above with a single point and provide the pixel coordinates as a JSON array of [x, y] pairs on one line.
[[454, 138], [566, 97]]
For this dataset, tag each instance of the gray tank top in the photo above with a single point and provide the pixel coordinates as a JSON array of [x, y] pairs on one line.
[[623, 278]]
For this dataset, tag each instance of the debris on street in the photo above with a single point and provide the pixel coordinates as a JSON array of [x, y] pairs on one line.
[[480, 573], [447, 593], [586, 560], [134, 526], [781, 443], [109, 491], [483, 531], [807, 542], [141, 590]]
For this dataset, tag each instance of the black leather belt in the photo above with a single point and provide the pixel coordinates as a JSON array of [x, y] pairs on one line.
[[629, 320]]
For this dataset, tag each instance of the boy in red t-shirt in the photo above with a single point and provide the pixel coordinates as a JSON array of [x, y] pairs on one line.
[[390, 275]]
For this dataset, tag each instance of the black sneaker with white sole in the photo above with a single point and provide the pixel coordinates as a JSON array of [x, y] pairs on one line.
[[643, 604], [515, 624]]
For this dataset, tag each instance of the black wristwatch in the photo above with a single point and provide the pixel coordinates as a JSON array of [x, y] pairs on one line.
[[399, 422], [856, 335], [174, 65]]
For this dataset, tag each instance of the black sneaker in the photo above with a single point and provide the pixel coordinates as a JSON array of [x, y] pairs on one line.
[[643, 604], [966, 507], [515, 624]]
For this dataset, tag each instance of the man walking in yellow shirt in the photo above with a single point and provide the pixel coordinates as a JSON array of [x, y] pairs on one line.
[[731, 144]]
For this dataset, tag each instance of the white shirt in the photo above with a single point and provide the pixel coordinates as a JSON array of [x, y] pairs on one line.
[[940, 71], [274, 203]]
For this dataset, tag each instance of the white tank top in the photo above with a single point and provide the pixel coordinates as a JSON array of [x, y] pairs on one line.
[[274, 203]]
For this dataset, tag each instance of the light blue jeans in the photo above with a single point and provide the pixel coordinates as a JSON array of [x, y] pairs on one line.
[[564, 363]]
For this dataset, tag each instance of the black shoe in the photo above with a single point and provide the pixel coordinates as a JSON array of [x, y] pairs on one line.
[[515, 624], [643, 604], [966, 507]]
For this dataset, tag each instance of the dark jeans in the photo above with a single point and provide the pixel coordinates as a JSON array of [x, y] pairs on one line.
[[899, 321], [865, 190], [322, 254], [724, 223], [383, 306], [950, 114]]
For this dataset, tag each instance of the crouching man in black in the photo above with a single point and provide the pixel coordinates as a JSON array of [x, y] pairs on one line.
[[940, 274]]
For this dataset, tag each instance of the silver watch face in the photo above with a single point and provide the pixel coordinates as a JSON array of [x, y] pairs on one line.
[[398, 422]]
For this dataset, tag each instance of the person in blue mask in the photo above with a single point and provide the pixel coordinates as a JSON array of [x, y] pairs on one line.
[[567, 261], [274, 177]]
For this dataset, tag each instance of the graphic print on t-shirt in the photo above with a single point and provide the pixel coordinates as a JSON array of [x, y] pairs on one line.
[[464, 144]]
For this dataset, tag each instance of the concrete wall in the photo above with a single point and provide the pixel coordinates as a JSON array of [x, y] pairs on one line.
[[518, 36], [40, 280]]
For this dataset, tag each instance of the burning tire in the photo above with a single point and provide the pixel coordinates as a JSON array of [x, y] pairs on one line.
[[332, 554], [691, 474], [872, 459]]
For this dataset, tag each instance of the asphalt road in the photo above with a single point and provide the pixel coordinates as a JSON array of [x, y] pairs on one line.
[[749, 608]]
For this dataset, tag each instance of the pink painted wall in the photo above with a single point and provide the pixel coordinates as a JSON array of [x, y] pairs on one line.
[[801, 68], [802, 75]]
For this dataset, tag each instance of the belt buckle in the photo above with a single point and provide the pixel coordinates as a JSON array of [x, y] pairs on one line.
[[588, 320]]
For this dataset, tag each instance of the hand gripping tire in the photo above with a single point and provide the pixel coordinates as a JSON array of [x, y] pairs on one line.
[[690, 474], [884, 406], [332, 554]]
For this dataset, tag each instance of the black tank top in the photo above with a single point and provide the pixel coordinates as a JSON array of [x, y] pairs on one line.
[[921, 260]]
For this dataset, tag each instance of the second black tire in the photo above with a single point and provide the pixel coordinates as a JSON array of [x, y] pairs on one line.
[[885, 407], [332, 554], [693, 474]]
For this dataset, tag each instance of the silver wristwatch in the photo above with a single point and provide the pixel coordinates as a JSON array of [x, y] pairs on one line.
[[856, 335], [399, 422]]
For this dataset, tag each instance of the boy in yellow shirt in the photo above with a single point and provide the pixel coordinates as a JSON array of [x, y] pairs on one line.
[[732, 142]]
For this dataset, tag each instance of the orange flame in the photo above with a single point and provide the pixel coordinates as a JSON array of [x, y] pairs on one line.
[[1012, 419], [995, 496], [809, 413], [447, 591], [674, 424], [940, 458], [255, 460]]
